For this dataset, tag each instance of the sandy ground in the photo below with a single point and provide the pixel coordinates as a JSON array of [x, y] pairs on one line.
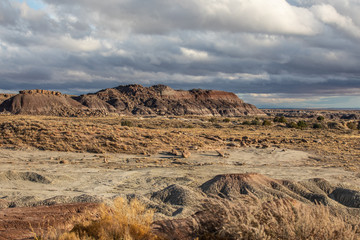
[[29, 176]]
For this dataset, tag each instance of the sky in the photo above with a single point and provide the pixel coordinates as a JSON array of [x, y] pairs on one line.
[[272, 53]]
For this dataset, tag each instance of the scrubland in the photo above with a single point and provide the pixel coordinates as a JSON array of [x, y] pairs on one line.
[[337, 142]]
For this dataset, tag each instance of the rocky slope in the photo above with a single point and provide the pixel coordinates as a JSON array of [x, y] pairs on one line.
[[5, 96], [130, 100]]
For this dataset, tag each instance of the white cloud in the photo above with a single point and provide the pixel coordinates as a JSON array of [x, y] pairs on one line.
[[329, 15], [160, 16], [87, 44], [194, 54]]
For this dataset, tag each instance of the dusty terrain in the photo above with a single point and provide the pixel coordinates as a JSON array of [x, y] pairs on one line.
[[52, 160]]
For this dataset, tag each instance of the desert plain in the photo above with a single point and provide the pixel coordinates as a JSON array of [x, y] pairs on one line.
[[167, 161]]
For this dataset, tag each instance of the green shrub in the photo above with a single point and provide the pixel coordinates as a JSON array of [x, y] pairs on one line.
[[281, 119], [302, 124], [320, 118], [266, 122], [317, 126]]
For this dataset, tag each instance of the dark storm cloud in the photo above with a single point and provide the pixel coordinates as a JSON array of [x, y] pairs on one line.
[[254, 47]]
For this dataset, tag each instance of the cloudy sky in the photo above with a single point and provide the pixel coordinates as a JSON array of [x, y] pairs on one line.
[[273, 53]]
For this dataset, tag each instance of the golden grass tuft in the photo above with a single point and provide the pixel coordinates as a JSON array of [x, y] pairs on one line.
[[125, 220]]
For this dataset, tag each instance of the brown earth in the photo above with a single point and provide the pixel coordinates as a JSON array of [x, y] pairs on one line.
[[25, 223], [129, 100]]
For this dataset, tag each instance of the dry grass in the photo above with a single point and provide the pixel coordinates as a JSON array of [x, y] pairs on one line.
[[124, 220], [250, 219], [340, 147], [281, 219]]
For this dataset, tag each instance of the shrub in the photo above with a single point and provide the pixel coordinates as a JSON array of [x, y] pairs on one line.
[[281, 119], [213, 119], [266, 123], [292, 125], [317, 126], [256, 121], [246, 123], [320, 118], [352, 125], [126, 123], [332, 125], [226, 120], [302, 124]]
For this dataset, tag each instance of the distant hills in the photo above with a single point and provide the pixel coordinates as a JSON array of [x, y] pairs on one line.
[[128, 100]]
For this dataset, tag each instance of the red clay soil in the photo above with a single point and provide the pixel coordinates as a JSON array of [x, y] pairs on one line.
[[15, 222]]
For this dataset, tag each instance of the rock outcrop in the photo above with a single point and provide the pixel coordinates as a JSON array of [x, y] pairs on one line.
[[130, 100], [163, 100]]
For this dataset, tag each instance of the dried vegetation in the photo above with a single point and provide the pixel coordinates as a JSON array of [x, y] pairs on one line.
[[335, 140]]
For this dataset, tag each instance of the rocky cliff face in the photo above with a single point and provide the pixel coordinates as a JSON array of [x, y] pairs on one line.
[[163, 100], [130, 100]]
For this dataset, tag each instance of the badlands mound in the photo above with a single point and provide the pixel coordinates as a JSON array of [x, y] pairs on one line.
[[254, 206], [41, 102], [129, 100]]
